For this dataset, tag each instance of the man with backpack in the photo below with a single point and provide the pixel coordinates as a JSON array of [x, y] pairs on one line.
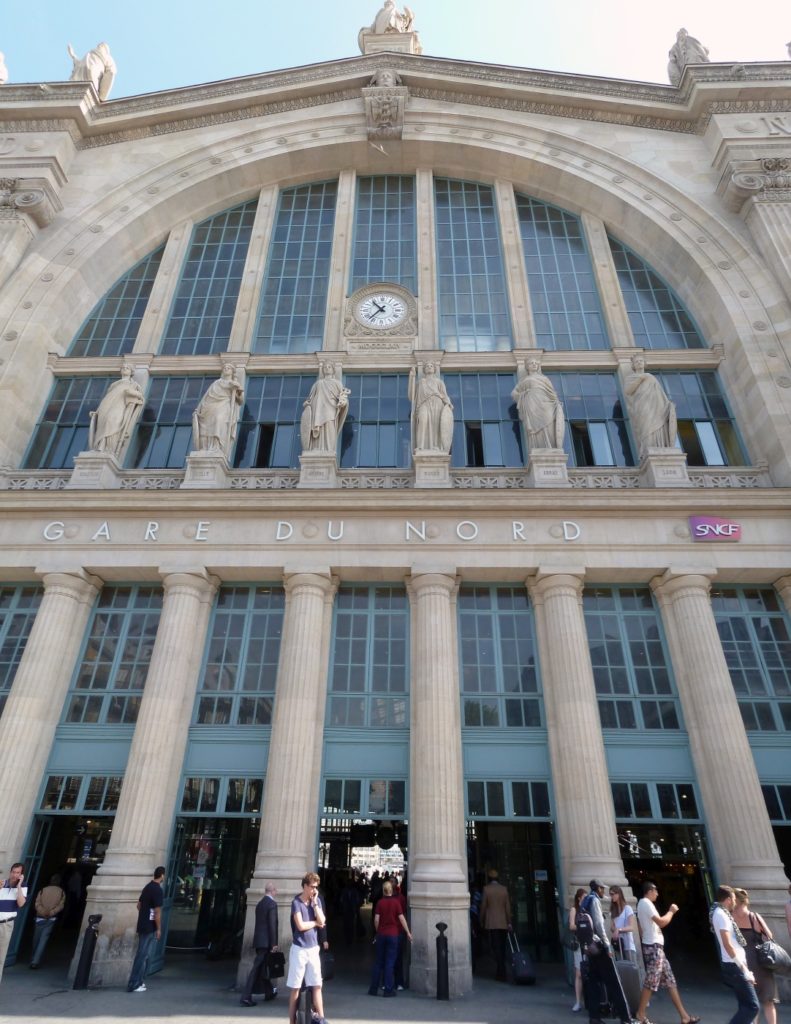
[[598, 968]]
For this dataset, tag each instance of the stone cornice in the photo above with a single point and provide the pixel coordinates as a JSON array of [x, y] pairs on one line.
[[704, 90]]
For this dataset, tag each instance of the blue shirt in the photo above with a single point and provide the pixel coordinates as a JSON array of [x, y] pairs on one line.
[[8, 903], [311, 936]]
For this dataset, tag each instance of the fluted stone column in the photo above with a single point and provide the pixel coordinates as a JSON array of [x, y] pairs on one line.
[[152, 781], [437, 848], [783, 588], [35, 701], [584, 813], [741, 839], [288, 842]]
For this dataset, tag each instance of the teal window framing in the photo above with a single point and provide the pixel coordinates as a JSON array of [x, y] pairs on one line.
[[110, 677], [378, 429], [163, 437], [268, 429], [656, 314], [369, 669], [18, 609], [596, 433], [631, 668], [296, 280], [513, 799], [222, 795], [498, 658], [564, 298], [365, 798], [112, 325], [486, 430], [472, 290], [62, 431], [755, 632], [655, 801], [384, 244], [777, 797], [70, 794], [203, 308], [707, 431], [239, 672]]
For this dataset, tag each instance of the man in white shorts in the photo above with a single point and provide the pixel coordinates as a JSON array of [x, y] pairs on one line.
[[307, 917]]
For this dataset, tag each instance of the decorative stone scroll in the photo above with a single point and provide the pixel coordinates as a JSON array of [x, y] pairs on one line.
[[767, 180], [30, 199], [385, 103]]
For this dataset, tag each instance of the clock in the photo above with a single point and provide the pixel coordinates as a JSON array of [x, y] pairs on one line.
[[381, 310]]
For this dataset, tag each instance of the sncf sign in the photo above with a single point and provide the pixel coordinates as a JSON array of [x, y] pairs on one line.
[[708, 528]]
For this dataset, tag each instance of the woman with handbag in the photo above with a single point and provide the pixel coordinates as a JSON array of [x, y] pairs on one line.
[[754, 929], [572, 926], [623, 924]]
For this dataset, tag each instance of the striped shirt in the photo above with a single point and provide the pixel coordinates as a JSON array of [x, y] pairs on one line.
[[8, 901]]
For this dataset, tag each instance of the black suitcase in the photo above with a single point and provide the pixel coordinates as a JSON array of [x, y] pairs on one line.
[[629, 976], [520, 965]]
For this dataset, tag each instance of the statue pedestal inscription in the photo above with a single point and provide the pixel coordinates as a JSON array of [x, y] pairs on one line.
[[95, 471], [432, 469], [664, 467], [318, 469], [206, 471], [547, 467]]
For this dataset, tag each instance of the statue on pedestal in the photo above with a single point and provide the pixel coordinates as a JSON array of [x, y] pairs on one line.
[[652, 414], [388, 20], [539, 407], [324, 412], [3, 70], [686, 50], [97, 66], [215, 418], [113, 422], [432, 410]]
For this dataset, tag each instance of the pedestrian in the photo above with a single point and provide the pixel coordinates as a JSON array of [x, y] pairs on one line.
[[388, 921], [622, 919], [755, 930], [265, 938], [49, 905], [149, 929], [733, 959], [788, 903], [496, 920], [13, 896], [304, 963], [572, 921], [658, 972], [598, 968]]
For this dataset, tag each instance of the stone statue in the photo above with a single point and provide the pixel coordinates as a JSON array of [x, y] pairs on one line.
[[539, 408], [215, 418], [432, 410], [788, 48], [686, 50], [3, 70], [113, 422], [389, 19], [651, 412], [97, 66], [384, 78], [324, 412]]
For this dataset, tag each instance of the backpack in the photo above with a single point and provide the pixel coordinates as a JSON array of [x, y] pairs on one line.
[[590, 943]]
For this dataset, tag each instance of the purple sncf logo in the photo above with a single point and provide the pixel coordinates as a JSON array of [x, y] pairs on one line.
[[709, 528]]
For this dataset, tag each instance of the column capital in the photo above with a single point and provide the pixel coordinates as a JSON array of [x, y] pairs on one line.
[[321, 579], [78, 584], [548, 580], [421, 582], [676, 580], [783, 587], [198, 582]]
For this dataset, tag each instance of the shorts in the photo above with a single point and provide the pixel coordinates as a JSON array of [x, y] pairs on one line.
[[304, 963], [658, 972]]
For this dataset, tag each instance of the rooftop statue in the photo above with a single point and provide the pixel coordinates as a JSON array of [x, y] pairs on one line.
[[686, 50], [3, 70], [388, 20], [97, 66]]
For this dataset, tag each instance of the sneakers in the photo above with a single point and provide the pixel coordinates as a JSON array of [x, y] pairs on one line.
[[248, 1002], [140, 988], [399, 988], [576, 1008]]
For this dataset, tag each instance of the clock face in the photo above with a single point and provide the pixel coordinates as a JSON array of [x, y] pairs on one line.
[[382, 310]]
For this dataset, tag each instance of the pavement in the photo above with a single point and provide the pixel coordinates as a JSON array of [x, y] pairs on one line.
[[191, 990]]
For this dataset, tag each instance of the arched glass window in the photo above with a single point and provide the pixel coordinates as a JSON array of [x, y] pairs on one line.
[[656, 314], [113, 323], [566, 307], [377, 431], [385, 233], [706, 429], [18, 608], [269, 424], [596, 432], [202, 312], [294, 297], [62, 432], [486, 429]]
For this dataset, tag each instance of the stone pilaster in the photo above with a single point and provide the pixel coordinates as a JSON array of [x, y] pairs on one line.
[[514, 263], [152, 781], [152, 326], [339, 262], [584, 813], [426, 260], [613, 307], [35, 702], [246, 313], [742, 843], [288, 842], [437, 850]]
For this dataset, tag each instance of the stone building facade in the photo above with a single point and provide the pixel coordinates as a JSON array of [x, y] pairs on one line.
[[540, 659]]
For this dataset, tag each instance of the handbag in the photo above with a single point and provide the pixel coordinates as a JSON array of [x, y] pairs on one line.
[[275, 964], [569, 940], [327, 965], [773, 957]]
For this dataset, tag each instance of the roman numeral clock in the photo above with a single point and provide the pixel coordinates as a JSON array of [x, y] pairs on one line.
[[381, 311]]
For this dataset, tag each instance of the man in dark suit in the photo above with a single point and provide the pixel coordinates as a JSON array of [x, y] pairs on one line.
[[264, 941]]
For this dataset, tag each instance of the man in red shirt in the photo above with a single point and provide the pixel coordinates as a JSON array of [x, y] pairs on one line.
[[388, 921]]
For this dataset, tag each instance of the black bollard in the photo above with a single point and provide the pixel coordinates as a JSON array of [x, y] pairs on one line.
[[83, 972], [443, 991]]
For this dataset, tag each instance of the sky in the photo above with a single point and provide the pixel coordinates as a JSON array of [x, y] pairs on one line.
[[162, 44]]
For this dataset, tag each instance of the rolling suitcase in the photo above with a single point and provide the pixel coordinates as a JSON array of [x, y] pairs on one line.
[[521, 966], [629, 976]]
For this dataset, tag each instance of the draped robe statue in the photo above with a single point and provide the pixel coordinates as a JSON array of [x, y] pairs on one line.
[[432, 410], [324, 412], [652, 414], [97, 66], [539, 408], [215, 418], [113, 422]]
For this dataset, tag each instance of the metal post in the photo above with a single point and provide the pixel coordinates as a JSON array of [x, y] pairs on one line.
[[83, 971], [443, 991]]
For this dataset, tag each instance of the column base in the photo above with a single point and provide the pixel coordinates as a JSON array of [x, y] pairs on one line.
[[547, 467], [318, 469], [206, 471], [664, 467], [117, 940], [432, 469], [95, 471], [449, 905]]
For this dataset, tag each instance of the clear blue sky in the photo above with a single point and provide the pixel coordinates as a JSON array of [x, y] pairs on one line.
[[159, 44]]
